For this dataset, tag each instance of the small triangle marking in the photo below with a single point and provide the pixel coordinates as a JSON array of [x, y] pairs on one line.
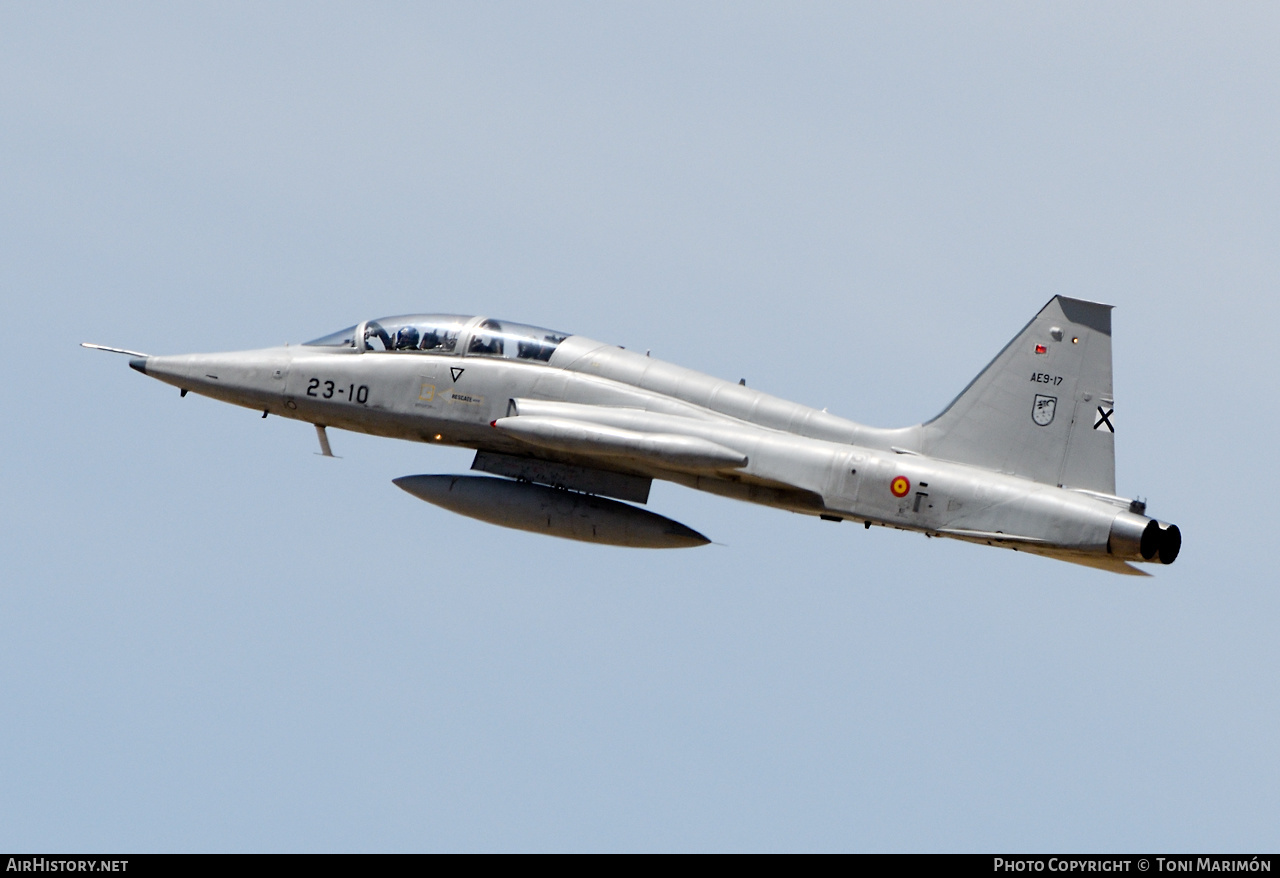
[[456, 372]]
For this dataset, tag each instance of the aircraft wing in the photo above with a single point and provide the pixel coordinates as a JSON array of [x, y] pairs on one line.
[[626, 438], [704, 450], [573, 436]]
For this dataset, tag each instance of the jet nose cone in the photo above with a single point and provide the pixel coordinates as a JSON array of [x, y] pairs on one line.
[[139, 363]]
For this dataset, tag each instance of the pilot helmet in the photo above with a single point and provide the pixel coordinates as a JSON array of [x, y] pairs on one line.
[[407, 338]]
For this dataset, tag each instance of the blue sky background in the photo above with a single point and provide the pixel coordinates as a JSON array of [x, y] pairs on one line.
[[215, 640]]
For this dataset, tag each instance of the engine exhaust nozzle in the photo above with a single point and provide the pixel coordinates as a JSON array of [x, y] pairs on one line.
[[1170, 544], [1136, 536]]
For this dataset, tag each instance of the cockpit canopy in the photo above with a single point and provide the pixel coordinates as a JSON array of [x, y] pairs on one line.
[[447, 334]]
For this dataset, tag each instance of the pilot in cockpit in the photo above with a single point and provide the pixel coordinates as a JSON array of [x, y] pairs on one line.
[[407, 339], [482, 344]]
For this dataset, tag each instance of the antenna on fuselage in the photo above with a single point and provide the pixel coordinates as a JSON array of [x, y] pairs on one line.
[[325, 449]]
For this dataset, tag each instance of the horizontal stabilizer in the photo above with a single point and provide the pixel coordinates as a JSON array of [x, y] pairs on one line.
[[1037, 546], [1098, 562], [987, 536]]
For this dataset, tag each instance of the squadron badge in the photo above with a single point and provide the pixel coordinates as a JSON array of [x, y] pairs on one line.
[[1043, 408]]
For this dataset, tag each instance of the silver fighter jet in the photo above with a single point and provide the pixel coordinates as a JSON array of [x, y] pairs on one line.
[[565, 428]]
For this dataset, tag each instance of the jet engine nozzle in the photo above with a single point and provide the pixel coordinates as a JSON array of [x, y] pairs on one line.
[[1136, 536], [1170, 544], [1150, 542]]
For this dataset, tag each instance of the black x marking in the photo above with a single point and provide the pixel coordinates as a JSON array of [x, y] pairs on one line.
[[1104, 418]]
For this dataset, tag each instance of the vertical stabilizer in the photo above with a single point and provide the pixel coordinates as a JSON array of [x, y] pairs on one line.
[[1043, 409]]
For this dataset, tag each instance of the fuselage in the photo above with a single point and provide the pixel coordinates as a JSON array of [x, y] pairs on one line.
[[598, 404]]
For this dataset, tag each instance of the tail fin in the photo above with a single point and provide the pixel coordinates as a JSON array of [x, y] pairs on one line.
[[1043, 408]]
